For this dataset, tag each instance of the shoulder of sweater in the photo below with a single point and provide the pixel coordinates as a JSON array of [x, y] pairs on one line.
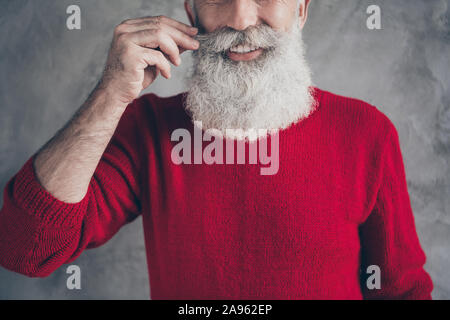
[[152, 109], [160, 105], [355, 114]]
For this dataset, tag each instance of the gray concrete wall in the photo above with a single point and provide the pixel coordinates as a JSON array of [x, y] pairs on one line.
[[47, 71]]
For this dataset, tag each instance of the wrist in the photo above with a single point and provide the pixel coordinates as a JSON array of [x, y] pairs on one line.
[[109, 98], [113, 92]]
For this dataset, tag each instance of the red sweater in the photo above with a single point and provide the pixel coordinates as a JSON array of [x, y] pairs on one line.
[[338, 204]]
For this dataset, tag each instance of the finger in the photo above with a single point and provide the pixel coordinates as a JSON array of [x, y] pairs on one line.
[[157, 59], [150, 74], [165, 20], [154, 38], [182, 26], [183, 40], [191, 31], [151, 25], [154, 71]]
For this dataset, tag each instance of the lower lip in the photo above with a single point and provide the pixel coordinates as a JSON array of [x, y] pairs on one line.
[[244, 56]]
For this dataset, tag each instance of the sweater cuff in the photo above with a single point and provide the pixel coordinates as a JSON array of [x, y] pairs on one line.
[[31, 196]]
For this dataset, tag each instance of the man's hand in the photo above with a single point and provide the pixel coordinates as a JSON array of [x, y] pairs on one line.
[[140, 50]]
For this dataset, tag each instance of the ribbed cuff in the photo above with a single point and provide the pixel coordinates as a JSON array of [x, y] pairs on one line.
[[32, 197]]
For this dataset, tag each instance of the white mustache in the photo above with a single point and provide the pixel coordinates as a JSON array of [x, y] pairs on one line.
[[223, 39]]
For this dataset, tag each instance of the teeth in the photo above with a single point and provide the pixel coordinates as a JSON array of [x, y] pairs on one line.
[[243, 48]]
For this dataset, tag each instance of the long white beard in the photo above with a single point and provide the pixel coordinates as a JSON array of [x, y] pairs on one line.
[[271, 92]]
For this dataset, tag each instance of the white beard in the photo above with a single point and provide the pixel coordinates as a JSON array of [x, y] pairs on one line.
[[271, 92]]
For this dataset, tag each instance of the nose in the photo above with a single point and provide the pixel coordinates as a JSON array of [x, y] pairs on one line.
[[242, 14]]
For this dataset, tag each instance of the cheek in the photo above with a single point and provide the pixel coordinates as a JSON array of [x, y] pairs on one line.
[[279, 17], [210, 19]]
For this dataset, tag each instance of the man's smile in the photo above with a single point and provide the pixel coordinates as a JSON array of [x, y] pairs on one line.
[[244, 53]]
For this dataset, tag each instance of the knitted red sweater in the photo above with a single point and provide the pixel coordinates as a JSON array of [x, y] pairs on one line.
[[338, 204]]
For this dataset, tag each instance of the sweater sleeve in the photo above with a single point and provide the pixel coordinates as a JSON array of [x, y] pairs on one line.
[[388, 236], [39, 233]]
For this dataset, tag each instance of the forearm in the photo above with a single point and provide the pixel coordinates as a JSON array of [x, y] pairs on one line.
[[66, 163], [39, 233]]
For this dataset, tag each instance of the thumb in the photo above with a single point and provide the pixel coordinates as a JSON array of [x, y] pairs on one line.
[[150, 74]]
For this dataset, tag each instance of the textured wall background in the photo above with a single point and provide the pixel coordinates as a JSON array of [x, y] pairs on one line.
[[47, 72]]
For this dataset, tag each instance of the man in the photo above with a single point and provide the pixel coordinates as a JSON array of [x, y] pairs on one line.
[[336, 209]]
